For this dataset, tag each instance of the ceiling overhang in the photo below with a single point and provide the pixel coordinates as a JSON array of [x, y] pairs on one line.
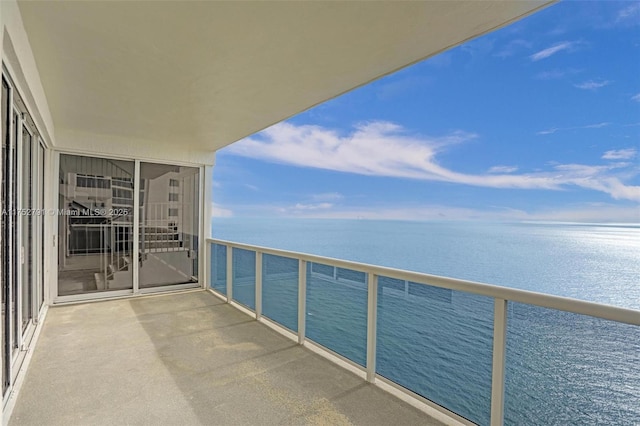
[[206, 74]]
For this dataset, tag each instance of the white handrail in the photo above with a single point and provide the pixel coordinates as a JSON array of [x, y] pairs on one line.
[[608, 312]]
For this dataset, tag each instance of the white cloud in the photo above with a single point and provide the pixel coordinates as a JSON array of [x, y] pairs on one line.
[[556, 73], [620, 154], [251, 187], [217, 211], [629, 12], [386, 149], [502, 169], [548, 131], [513, 47], [636, 98], [317, 206], [558, 47], [588, 126], [327, 196], [592, 84]]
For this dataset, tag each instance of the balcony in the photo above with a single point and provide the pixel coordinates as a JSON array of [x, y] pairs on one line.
[[335, 342], [188, 358], [478, 353]]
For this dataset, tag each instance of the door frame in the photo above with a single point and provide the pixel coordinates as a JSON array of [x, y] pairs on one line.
[[55, 298]]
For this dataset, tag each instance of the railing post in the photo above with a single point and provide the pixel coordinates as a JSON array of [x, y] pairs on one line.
[[258, 285], [229, 273], [302, 299], [205, 282], [372, 319], [499, 350]]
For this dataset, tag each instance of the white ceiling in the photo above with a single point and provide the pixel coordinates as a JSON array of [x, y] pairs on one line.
[[206, 74]]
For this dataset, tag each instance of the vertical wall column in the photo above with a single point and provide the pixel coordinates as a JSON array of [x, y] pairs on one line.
[[206, 207], [135, 261]]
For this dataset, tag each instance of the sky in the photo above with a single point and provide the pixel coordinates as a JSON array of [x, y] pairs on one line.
[[538, 121]]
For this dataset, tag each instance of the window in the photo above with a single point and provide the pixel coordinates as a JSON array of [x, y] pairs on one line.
[[174, 182], [88, 181], [173, 212], [173, 197]]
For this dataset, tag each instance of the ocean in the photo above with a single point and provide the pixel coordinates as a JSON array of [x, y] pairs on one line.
[[561, 368]]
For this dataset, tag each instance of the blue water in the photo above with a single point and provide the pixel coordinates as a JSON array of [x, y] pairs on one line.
[[561, 368]]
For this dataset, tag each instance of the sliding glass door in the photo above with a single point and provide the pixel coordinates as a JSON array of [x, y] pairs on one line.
[[169, 224], [95, 225], [22, 241]]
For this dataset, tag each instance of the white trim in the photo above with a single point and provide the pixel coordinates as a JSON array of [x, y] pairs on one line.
[[229, 273], [54, 226], [169, 288], [108, 297], [16, 386], [372, 321], [135, 257], [421, 403], [289, 334], [116, 156], [17, 114], [336, 358], [83, 297], [217, 294], [499, 351], [258, 298], [302, 301], [242, 308]]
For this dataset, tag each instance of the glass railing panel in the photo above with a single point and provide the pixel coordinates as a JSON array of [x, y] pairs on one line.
[[337, 310], [437, 343], [218, 272], [570, 369], [280, 290], [244, 277]]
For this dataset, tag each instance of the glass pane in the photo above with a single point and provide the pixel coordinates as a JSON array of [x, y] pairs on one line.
[[219, 268], [27, 223], [169, 223], [13, 239], [40, 219], [337, 310], [565, 368], [280, 290], [5, 333], [244, 277], [95, 247], [437, 343]]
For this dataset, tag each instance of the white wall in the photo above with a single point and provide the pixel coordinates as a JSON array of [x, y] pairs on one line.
[[17, 55]]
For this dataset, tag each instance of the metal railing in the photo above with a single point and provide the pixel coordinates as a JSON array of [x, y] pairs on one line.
[[501, 296]]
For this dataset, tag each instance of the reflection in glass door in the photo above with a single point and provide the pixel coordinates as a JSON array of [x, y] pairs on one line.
[[95, 226], [26, 254], [5, 252], [169, 225]]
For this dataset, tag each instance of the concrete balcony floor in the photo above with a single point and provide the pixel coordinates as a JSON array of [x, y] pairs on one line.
[[188, 359]]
